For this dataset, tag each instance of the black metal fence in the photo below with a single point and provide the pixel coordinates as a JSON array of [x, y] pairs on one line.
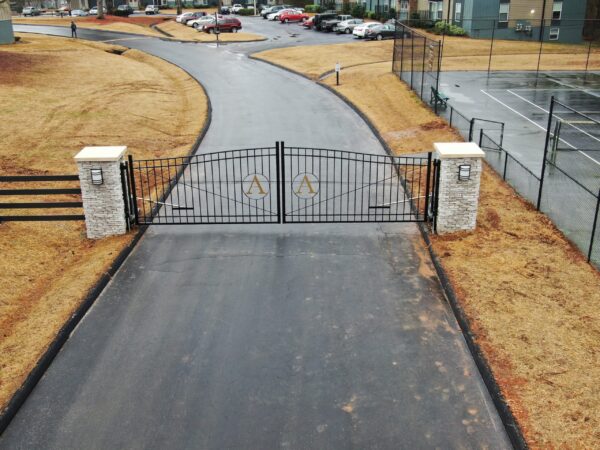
[[283, 185], [569, 187], [416, 60], [542, 44], [19, 211], [571, 206]]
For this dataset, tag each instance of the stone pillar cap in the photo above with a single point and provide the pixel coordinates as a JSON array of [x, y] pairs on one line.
[[101, 153], [448, 150]]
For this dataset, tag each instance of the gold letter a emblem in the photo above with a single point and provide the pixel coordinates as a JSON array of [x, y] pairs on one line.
[[306, 181], [255, 181]]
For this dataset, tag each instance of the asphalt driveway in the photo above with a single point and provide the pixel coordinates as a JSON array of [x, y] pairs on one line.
[[270, 336]]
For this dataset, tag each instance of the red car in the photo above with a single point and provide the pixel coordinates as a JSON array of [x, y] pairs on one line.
[[226, 24], [308, 23], [292, 16]]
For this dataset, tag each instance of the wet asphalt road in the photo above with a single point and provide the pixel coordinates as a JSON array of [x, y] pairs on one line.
[[271, 336]]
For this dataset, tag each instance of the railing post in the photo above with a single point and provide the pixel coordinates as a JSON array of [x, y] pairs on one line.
[[594, 227], [471, 126], [491, 46], [283, 181], [550, 114], [278, 179], [426, 212], [133, 190]]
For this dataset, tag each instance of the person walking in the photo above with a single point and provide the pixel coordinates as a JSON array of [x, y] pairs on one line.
[[73, 29]]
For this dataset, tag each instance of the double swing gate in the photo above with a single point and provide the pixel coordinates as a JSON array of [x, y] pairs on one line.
[[281, 185]]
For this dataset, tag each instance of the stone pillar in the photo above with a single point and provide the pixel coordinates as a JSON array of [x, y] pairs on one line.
[[460, 176], [103, 204]]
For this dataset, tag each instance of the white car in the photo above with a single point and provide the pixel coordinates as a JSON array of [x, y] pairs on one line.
[[151, 9], [181, 16], [275, 15], [94, 11], [236, 8], [198, 23], [360, 30], [79, 13]]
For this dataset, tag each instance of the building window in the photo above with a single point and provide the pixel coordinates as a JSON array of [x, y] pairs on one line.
[[504, 10], [404, 5], [554, 32], [435, 10], [557, 10], [457, 12]]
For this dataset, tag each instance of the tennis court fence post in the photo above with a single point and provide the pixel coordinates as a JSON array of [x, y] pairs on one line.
[[491, 47], [594, 227], [550, 114]]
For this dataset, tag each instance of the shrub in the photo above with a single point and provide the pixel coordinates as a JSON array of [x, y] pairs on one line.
[[449, 30], [372, 15], [311, 8], [246, 12], [358, 10], [346, 8]]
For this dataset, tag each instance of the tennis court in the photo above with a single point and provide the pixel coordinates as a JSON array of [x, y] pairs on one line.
[[522, 101]]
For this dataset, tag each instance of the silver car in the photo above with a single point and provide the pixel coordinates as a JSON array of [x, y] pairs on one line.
[[347, 26]]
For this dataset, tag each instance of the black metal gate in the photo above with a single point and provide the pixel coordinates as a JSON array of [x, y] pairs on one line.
[[282, 185]]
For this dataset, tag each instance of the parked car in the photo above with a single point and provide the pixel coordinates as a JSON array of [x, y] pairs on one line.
[[360, 30], [347, 26], [93, 11], [277, 14], [329, 25], [31, 11], [225, 10], [320, 18], [180, 17], [199, 23], [124, 10], [273, 9], [308, 24], [235, 8], [79, 13], [151, 10], [292, 16], [380, 32], [63, 11], [226, 24], [192, 16]]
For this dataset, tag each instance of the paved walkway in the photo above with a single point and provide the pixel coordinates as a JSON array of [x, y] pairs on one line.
[[260, 337]]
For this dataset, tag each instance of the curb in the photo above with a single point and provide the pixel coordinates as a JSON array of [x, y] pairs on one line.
[[21, 395], [170, 37], [514, 432], [78, 28]]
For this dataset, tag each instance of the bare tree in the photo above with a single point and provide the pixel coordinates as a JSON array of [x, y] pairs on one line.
[[179, 7]]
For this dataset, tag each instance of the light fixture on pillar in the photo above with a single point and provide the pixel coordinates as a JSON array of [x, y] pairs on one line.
[[97, 178], [464, 172]]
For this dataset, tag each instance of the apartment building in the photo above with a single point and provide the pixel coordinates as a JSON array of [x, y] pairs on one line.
[[551, 20]]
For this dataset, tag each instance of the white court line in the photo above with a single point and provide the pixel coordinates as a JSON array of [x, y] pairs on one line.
[[562, 83], [577, 128]]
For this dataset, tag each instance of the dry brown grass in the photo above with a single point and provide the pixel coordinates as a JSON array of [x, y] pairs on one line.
[[183, 32], [58, 95], [316, 63], [137, 25], [459, 54], [532, 299]]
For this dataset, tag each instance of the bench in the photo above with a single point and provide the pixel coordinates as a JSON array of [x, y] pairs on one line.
[[438, 98]]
